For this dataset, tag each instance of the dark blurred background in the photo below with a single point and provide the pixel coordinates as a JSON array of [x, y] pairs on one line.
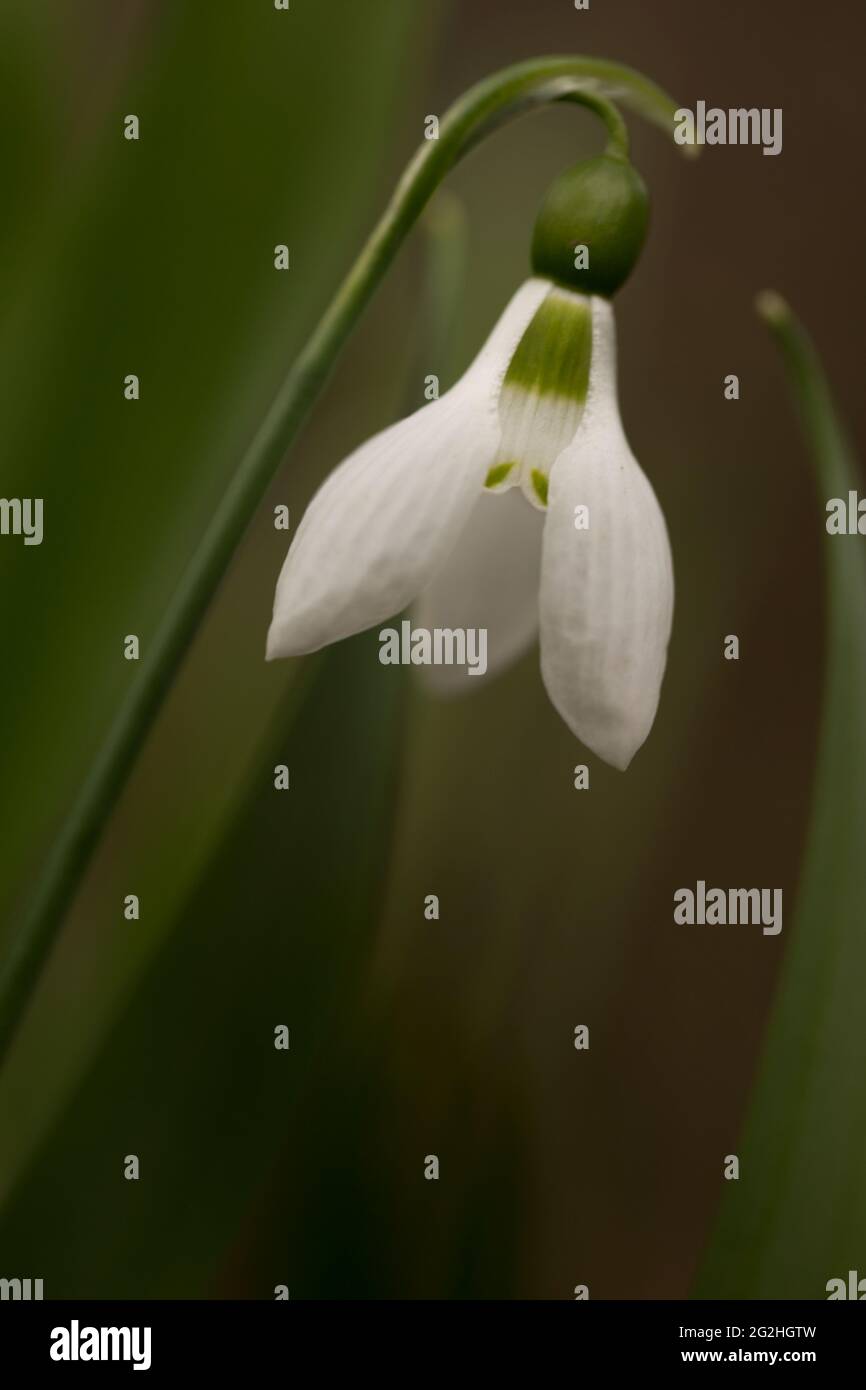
[[408, 1037]]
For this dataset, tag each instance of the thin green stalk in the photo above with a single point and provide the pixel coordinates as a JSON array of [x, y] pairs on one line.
[[832, 453], [796, 1217], [617, 130], [481, 110]]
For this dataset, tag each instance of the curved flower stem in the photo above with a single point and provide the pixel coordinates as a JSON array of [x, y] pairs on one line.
[[617, 130], [481, 110]]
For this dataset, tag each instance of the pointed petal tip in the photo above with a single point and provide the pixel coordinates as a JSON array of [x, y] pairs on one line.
[[282, 641], [616, 737], [619, 755], [620, 760], [272, 652]]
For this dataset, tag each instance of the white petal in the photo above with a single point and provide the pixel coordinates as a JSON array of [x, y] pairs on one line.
[[382, 523], [490, 581], [606, 592]]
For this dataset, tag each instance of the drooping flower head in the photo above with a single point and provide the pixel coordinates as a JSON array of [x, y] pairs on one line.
[[514, 503]]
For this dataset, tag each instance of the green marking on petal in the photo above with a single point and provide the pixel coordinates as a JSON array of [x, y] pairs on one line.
[[553, 356], [540, 485], [498, 473], [544, 393]]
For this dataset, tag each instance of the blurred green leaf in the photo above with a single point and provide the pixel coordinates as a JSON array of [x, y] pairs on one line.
[[189, 1079], [320, 839], [797, 1216], [156, 258], [188, 284]]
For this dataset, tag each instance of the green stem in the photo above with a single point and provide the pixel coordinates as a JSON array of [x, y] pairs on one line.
[[484, 107], [617, 130], [832, 452]]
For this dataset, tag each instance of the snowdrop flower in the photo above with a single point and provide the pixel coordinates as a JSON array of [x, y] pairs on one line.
[[514, 502]]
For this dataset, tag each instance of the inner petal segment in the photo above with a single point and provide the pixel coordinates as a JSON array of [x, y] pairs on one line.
[[543, 394]]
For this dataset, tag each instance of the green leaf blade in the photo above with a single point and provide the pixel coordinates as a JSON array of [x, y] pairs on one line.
[[797, 1216]]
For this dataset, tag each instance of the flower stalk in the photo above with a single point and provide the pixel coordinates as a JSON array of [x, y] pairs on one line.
[[480, 111]]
